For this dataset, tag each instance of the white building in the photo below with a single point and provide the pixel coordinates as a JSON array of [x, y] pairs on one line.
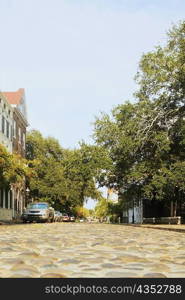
[[13, 123], [6, 123], [6, 139]]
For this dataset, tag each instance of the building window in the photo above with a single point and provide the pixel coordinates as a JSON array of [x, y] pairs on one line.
[[6, 198], [3, 124], [11, 198], [7, 129], [11, 133]]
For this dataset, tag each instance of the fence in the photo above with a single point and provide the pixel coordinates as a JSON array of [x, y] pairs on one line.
[[162, 220]]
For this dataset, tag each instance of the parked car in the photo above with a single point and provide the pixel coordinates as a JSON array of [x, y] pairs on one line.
[[71, 218], [38, 211], [57, 216], [65, 218], [60, 217]]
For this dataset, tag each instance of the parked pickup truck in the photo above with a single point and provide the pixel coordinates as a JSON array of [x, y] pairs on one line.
[[38, 211]]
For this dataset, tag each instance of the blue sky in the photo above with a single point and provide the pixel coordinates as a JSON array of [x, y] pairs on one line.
[[76, 58]]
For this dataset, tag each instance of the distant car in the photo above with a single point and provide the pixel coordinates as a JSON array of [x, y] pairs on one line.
[[65, 218], [38, 211], [57, 216], [60, 217], [71, 218]]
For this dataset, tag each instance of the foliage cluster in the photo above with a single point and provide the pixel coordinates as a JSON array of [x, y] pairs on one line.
[[145, 139], [66, 178], [13, 168]]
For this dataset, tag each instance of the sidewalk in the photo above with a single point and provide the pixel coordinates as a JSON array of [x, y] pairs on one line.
[[171, 227], [10, 222]]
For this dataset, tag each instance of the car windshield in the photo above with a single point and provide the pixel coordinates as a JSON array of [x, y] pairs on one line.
[[38, 205]]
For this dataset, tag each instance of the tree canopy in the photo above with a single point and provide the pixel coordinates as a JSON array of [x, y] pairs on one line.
[[13, 168], [145, 138], [64, 177]]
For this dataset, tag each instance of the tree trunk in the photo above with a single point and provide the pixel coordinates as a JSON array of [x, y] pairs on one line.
[[171, 209], [175, 209]]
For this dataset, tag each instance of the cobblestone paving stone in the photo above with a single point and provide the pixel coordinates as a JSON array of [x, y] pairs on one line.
[[76, 250]]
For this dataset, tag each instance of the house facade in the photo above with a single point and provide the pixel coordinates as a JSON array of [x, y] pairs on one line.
[[14, 198], [6, 139], [6, 123], [18, 103]]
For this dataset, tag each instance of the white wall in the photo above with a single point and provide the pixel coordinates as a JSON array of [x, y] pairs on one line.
[[6, 111], [5, 214]]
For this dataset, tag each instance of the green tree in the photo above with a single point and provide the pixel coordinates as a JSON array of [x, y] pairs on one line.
[[64, 177], [82, 168], [145, 139], [46, 154], [81, 212], [13, 168], [102, 208]]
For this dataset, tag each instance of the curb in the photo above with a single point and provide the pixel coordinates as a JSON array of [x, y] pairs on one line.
[[10, 222], [181, 230], [159, 228]]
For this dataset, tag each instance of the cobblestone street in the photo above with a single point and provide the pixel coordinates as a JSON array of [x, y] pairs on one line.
[[90, 250]]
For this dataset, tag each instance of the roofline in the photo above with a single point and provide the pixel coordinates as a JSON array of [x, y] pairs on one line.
[[21, 115], [6, 100]]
